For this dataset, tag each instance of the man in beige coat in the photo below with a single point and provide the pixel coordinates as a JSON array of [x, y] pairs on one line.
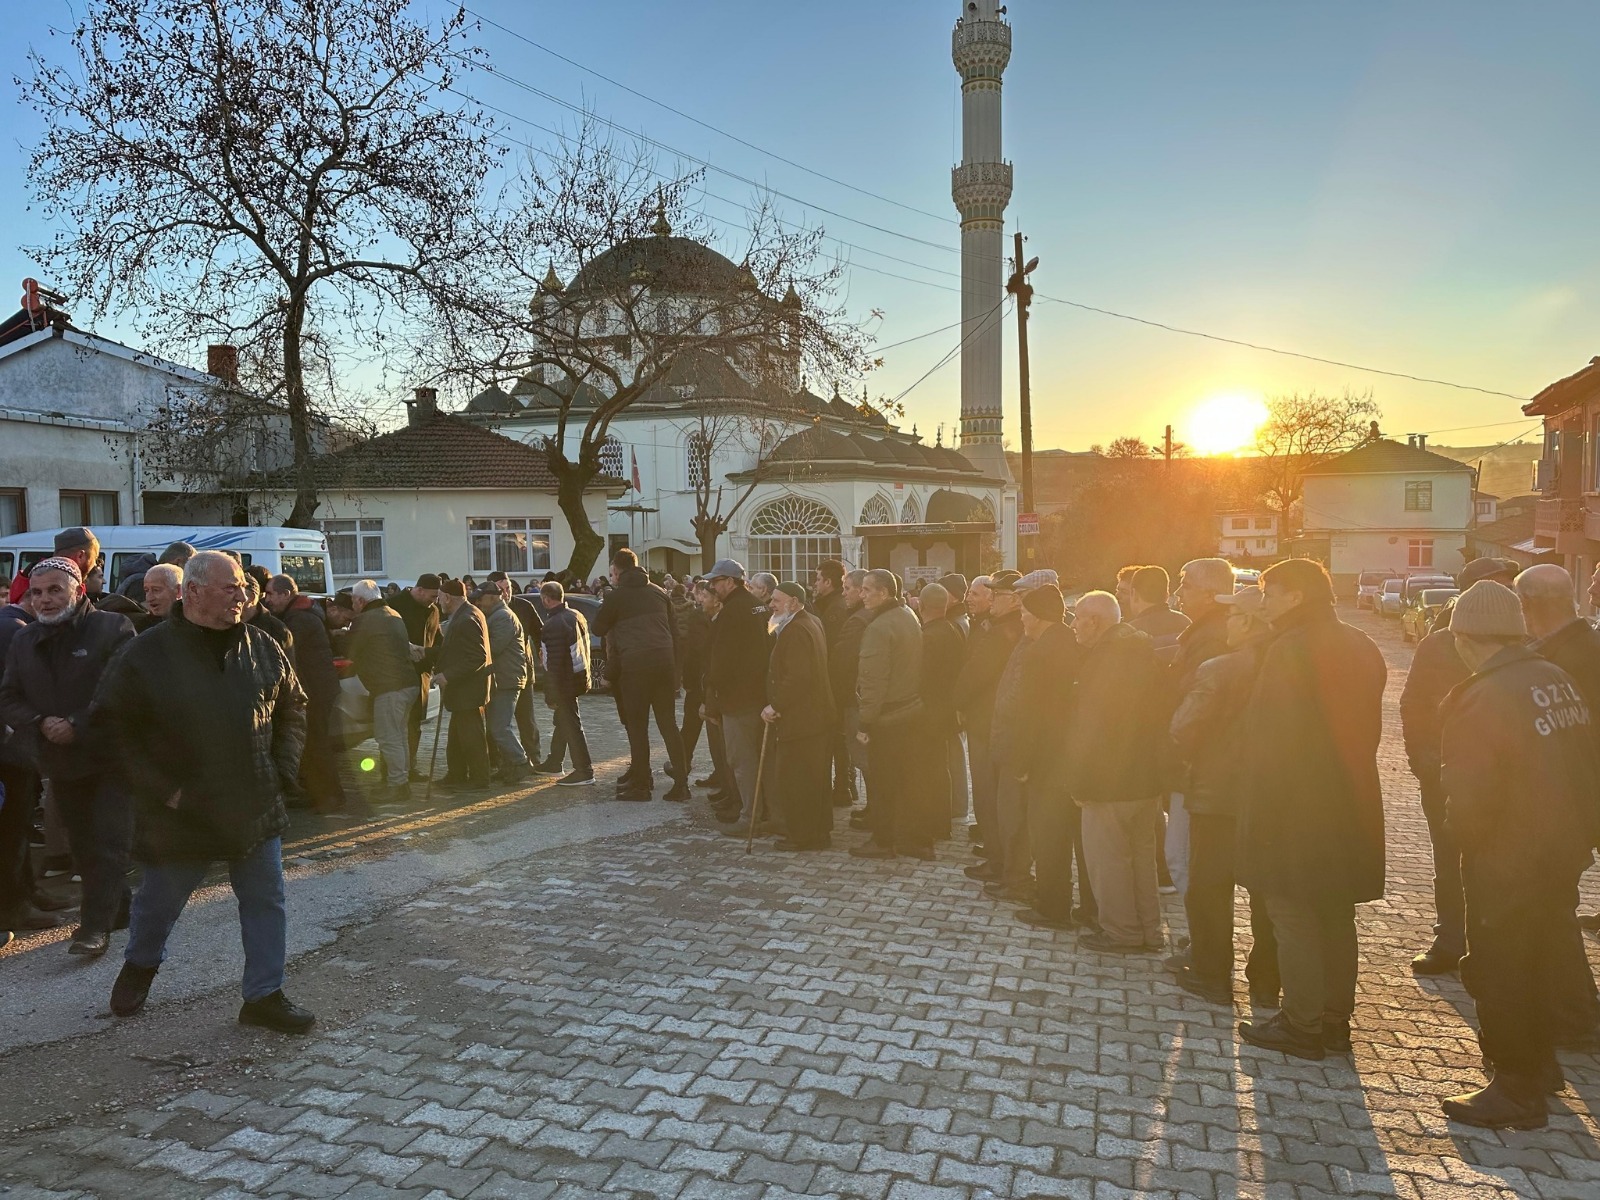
[[889, 684]]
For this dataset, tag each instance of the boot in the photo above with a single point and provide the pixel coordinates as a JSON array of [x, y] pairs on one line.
[[1435, 960], [131, 988], [276, 1012], [1509, 1102]]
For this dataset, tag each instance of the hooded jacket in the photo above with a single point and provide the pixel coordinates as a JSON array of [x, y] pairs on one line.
[[635, 618], [132, 585]]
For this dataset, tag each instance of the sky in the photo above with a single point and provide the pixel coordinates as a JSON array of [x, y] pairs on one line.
[[1406, 186]]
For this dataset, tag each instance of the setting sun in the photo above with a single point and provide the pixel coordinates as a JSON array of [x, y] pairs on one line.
[[1224, 424]]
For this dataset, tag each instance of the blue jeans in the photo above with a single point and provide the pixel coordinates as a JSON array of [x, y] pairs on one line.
[[257, 882], [501, 716]]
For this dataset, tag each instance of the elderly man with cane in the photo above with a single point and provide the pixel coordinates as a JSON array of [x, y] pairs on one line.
[[800, 713]]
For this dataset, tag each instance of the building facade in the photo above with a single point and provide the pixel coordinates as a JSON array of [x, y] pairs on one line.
[[1566, 526], [1244, 535]]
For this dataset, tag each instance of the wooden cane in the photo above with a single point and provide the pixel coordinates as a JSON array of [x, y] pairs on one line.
[[755, 801], [433, 763]]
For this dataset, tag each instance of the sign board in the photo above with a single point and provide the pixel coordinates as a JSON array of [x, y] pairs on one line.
[[1027, 524], [915, 575]]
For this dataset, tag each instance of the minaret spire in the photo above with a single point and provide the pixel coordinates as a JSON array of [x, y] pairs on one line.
[[981, 188]]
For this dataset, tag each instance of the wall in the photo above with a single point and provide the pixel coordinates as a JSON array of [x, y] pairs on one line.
[[1357, 551], [1379, 502], [44, 459]]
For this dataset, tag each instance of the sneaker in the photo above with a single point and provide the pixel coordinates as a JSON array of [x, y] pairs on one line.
[[276, 1012], [89, 945], [1276, 1033], [128, 993], [547, 768], [1504, 1104], [57, 865], [576, 779]]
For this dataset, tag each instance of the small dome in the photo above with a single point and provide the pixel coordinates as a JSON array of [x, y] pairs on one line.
[[493, 400], [816, 445], [956, 508], [666, 262]]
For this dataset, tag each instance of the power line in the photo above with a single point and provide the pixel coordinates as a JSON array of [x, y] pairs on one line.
[[941, 217], [950, 355]]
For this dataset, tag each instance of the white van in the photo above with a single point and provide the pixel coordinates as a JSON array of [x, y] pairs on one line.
[[301, 554]]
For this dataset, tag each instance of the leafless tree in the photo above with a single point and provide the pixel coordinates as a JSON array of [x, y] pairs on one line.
[[1303, 431], [293, 176], [724, 429]]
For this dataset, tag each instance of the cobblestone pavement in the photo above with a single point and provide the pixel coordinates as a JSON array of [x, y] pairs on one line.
[[661, 1016]]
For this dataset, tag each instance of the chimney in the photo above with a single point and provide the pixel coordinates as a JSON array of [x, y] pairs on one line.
[[423, 407], [1411, 440], [222, 362], [1422, 441]]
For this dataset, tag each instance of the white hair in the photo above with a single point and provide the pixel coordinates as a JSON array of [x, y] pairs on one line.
[[1215, 575], [1098, 604], [199, 568], [981, 581], [173, 576], [1546, 584], [366, 590]]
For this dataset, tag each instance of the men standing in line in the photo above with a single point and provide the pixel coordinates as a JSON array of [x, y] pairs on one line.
[[417, 608], [1520, 773], [1115, 735], [800, 710], [508, 673], [724, 797], [463, 667], [889, 684], [20, 906], [636, 620], [996, 630], [313, 665], [1435, 669], [52, 669], [736, 680], [1311, 811], [944, 651], [382, 655], [162, 585], [828, 602], [564, 638], [207, 721], [1151, 611]]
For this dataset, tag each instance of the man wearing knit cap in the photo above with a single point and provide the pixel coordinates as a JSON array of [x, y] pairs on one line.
[[1435, 669], [1520, 773]]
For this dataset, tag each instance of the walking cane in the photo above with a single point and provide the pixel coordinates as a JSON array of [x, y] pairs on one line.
[[433, 763], [755, 801]]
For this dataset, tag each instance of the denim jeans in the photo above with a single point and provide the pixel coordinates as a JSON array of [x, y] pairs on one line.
[[257, 882], [391, 718], [1176, 848], [501, 717], [567, 735]]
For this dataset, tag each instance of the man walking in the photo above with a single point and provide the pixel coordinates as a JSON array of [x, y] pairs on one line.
[[564, 642], [636, 619], [418, 609], [1311, 811], [508, 658], [207, 721], [889, 684], [1520, 773], [52, 669], [527, 611], [800, 711], [313, 666], [463, 666], [736, 680], [382, 654]]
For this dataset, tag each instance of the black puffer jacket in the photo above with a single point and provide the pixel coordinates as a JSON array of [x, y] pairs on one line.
[[844, 656], [222, 734], [52, 671], [635, 618], [989, 649]]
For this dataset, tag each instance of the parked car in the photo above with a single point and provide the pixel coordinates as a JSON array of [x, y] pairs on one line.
[[1417, 619], [1245, 578], [1369, 586], [1390, 601], [355, 706], [1419, 583]]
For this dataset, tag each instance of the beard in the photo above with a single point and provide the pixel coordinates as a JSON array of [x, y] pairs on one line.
[[59, 618]]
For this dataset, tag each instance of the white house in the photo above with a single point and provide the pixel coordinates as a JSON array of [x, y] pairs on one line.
[[1244, 534], [1392, 505]]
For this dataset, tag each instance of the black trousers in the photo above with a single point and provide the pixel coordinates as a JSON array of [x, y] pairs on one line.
[[319, 763], [844, 769], [693, 722], [650, 690], [99, 821], [527, 723], [1055, 825], [804, 796], [1449, 905], [467, 746], [1209, 904], [566, 734], [1516, 967], [21, 787], [414, 720], [892, 787]]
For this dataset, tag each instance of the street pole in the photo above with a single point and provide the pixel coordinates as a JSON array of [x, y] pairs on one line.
[[1019, 287], [1166, 446]]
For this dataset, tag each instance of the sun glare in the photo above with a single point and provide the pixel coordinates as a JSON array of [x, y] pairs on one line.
[[1224, 424]]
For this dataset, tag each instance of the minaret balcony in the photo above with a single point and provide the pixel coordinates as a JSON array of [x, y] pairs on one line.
[[980, 48], [981, 188]]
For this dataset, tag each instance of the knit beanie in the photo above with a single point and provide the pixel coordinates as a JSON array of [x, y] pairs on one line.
[[1488, 610], [1045, 602]]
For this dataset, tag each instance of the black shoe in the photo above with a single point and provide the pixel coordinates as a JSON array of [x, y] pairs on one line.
[[1178, 963], [1032, 916], [128, 993], [547, 768], [1261, 998], [1435, 961], [872, 850], [710, 781], [1504, 1104], [1276, 1033], [635, 795], [983, 874], [679, 793], [1016, 893], [576, 779], [276, 1012], [843, 800], [1590, 921], [45, 902], [1336, 1033], [858, 819], [28, 916], [417, 776], [56, 865], [1551, 1081], [6, 938], [89, 945], [1086, 918], [1208, 990], [921, 853], [1098, 941]]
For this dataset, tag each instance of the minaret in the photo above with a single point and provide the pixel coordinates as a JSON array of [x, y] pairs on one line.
[[981, 188]]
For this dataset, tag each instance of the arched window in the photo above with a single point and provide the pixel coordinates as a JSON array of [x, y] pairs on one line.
[[612, 461], [911, 512], [697, 449], [791, 536], [876, 511], [988, 507]]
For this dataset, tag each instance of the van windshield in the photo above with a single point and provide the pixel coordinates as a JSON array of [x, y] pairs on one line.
[[309, 572]]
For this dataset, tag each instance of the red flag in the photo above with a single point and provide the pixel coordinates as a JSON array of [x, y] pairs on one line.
[[636, 485]]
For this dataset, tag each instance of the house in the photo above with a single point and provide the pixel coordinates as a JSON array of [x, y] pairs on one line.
[[1566, 526], [1389, 505], [441, 494], [1485, 508], [1247, 534]]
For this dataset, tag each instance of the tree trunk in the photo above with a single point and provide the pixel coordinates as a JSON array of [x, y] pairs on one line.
[[572, 481], [294, 380], [708, 530]]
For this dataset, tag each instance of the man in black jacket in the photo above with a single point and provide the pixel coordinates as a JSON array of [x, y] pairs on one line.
[[418, 608], [564, 638], [844, 661], [800, 710], [736, 680], [944, 651], [52, 669], [313, 665], [526, 609], [208, 722], [828, 603], [463, 666], [996, 615], [19, 800], [636, 619]]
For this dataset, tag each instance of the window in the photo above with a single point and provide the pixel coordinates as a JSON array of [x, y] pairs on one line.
[[1261, 543], [1419, 496], [355, 545], [697, 449], [791, 536], [611, 461], [88, 508], [515, 545], [876, 511], [13, 511], [1263, 522], [1419, 552], [309, 572], [1240, 523], [911, 512]]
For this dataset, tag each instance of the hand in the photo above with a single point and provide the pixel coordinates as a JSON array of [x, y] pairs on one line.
[[172, 800], [417, 652], [863, 738], [769, 714], [703, 715], [58, 730], [438, 679]]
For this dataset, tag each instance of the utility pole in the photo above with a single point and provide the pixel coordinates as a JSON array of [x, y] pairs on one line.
[[1166, 446], [1019, 287]]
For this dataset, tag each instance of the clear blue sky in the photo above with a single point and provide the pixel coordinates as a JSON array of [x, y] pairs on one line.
[[1404, 185]]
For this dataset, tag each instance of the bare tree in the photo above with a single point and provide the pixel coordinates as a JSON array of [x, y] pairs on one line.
[[263, 174], [1303, 431], [625, 294], [723, 429]]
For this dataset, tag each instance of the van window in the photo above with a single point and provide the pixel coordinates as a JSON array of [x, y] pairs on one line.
[[309, 572], [121, 563], [7, 571]]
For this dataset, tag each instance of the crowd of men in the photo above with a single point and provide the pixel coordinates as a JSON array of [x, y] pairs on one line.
[[1105, 752]]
